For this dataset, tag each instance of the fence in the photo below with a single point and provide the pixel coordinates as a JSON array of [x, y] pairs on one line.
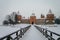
[[45, 33], [19, 34]]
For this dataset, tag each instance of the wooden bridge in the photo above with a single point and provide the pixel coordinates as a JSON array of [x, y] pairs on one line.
[[30, 32]]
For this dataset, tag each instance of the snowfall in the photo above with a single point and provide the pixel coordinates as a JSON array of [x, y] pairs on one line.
[[32, 33]]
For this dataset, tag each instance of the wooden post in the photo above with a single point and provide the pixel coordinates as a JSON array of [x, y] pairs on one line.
[[21, 33], [51, 35], [8, 38], [46, 34], [58, 38], [39, 29], [17, 35], [43, 31]]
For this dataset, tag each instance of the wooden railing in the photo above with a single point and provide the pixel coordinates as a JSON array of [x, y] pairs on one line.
[[45, 33], [19, 34]]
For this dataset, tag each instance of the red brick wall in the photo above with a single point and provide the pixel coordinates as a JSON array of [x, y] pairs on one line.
[[50, 18], [32, 19]]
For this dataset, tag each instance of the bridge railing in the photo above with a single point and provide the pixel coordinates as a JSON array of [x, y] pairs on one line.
[[45, 33], [19, 33]]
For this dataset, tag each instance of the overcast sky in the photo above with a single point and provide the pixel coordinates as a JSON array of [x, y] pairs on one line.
[[27, 7]]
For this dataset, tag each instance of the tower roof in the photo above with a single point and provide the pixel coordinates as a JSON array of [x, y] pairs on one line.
[[33, 14], [50, 11], [18, 13]]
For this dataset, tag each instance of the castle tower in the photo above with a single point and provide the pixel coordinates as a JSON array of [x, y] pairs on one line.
[[42, 16], [50, 17], [33, 18], [42, 19], [19, 17]]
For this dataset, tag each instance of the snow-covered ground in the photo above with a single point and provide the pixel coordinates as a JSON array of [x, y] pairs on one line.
[[6, 30], [22, 25], [54, 28], [33, 34]]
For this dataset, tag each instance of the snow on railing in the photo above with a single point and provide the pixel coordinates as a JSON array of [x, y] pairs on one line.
[[18, 34], [44, 31]]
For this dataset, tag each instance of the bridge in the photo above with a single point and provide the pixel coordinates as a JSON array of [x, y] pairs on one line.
[[26, 32]]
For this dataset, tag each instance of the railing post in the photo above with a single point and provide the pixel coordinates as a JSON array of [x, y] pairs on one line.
[[24, 30], [40, 30], [58, 38], [21, 33], [17, 35], [51, 35], [8, 38], [46, 35], [43, 31], [50, 38]]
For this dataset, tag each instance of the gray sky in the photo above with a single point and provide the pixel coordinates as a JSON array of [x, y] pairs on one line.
[[27, 7]]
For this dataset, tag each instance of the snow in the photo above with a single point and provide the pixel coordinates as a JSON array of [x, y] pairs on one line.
[[54, 28], [33, 34], [8, 29], [22, 25]]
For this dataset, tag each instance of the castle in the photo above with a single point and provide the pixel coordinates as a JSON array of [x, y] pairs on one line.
[[49, 19]]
